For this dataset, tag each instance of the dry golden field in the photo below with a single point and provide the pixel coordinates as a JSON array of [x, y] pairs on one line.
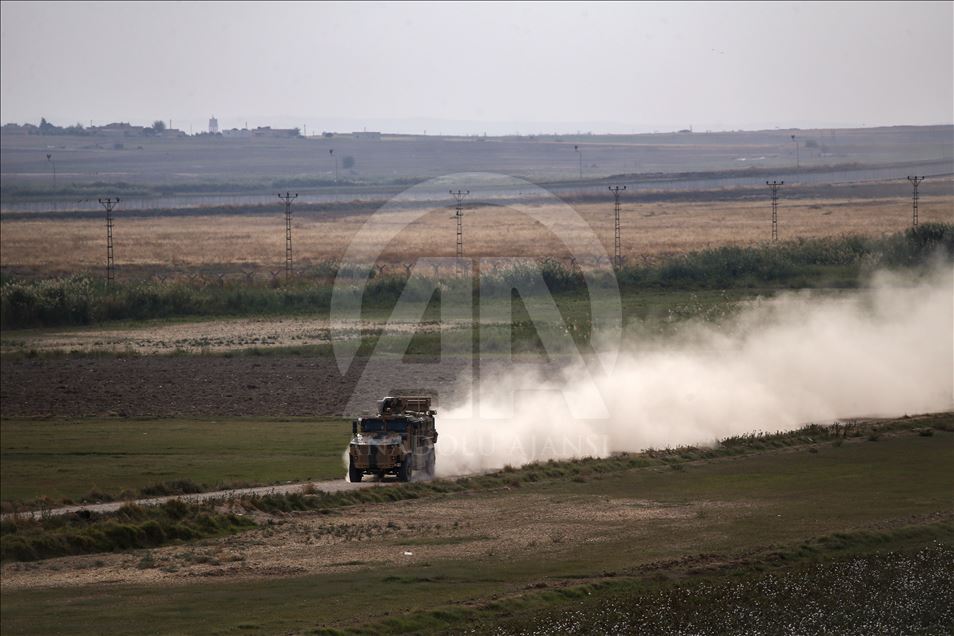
[[649, 230]]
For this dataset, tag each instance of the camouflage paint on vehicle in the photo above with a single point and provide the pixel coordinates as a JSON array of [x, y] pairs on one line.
[[399, 440]]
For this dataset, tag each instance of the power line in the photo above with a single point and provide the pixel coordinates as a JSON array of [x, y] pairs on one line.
[[288, 198], [775, 186], [109, 204], [617, 255], [915, 181], [459, 214]]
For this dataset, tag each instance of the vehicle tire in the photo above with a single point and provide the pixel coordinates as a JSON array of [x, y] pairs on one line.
[[354, 474], [407, 469], [430, 463]]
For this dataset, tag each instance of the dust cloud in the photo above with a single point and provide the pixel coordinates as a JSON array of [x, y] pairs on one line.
[[885, 350]]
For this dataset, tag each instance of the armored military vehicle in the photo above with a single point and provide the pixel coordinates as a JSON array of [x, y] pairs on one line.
[[399, 440]]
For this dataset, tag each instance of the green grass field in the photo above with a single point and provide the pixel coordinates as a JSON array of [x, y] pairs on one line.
[[795, 513], [74, 459]]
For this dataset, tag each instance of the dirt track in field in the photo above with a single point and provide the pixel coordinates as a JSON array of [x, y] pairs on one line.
[[199, 336], [382, 535], [333, 485]]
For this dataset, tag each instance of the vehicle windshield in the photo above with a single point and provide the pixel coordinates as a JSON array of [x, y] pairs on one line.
[[398, 426], [371, 426], [374, 425]]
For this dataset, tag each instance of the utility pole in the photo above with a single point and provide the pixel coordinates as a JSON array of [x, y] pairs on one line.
[[52, 162], [580, 152], [288, 198], [109, 204], [797, 164], [915, 182], [331, 152], [775, 186], [617, 256], [459, 197]]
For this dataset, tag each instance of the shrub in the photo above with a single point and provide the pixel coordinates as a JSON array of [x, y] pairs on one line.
[[131, 527]]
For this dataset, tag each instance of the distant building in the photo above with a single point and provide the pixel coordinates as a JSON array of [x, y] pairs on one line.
[[237, 132], [16, 129], [262, 131], [117, 129], [213, 126], [366, 135], [268, 131]]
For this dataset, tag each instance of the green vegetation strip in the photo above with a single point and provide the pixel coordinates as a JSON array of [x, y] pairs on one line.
[[582, 471], [831, 262], [652, 312], [29, 539], [46, 463], [53, 462]]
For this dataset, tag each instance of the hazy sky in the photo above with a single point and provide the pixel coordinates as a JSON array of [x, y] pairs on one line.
[[479, 67]]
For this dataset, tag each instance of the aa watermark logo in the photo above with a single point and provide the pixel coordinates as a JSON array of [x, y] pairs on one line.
[[477, 375]]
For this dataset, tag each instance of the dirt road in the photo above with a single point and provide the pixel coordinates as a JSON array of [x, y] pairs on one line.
[[336, 485]]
